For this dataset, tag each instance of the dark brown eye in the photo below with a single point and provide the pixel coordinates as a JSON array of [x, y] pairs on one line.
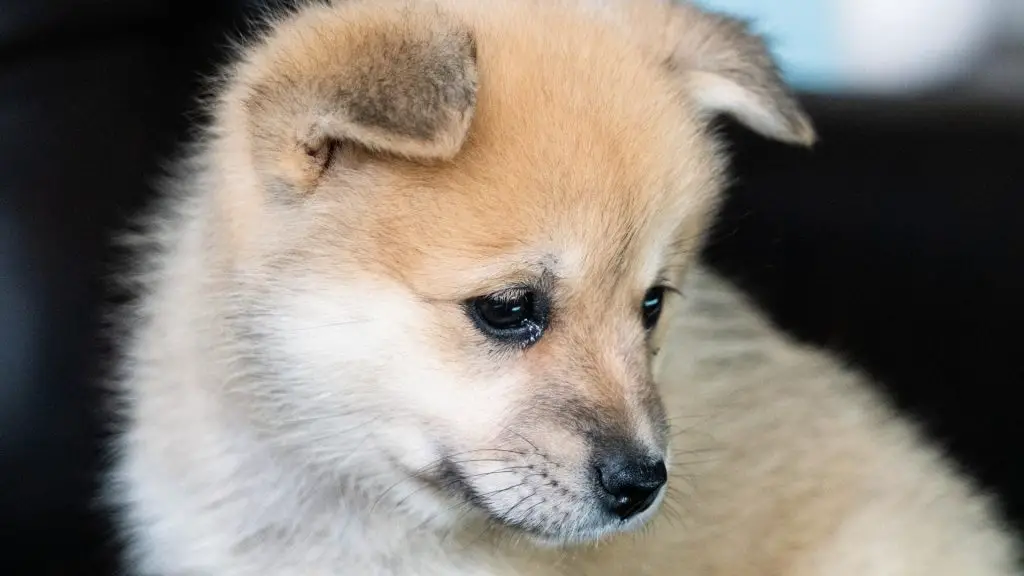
[[650, 310], [516, 316]]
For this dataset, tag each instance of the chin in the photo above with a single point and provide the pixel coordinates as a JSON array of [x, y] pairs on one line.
[[582, 530]]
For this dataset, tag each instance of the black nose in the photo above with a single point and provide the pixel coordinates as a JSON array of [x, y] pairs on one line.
[[630, 484]]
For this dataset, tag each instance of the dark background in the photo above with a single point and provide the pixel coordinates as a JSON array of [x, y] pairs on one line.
[[897, 241]]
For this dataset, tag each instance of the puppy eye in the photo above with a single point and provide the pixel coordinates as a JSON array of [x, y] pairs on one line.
[[650, 310], [516, 316]]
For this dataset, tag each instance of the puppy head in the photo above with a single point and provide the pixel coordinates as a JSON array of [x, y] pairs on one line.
[[453, 231]]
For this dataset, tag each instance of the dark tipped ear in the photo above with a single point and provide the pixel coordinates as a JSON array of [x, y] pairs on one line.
[[729, 70], [387, 78]]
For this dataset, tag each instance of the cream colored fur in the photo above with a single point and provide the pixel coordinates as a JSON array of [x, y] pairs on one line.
[[300, 362]]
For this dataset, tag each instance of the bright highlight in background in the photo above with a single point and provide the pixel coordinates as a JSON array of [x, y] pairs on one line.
[[871, 46]]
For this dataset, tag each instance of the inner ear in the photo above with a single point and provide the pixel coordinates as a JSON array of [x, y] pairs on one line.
[[322, 154], [727, 69], [381, 79]]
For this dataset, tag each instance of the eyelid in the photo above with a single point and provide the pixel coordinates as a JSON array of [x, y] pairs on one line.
[[670, 288], [541, 281], [510, 294], [663, 282]]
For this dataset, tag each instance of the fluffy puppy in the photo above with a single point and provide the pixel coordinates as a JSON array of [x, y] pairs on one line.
[[400, 310]]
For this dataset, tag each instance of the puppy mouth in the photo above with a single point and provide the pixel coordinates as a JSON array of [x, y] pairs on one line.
[[519, 517], [453, 481]]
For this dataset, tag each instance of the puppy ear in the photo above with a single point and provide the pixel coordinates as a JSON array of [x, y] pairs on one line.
[[389, 79], [729, 70]]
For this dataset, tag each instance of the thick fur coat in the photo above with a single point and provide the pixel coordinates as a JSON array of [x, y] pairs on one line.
[[313, 382]]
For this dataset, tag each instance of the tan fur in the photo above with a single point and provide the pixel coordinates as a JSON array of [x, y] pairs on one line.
[[301, 376]]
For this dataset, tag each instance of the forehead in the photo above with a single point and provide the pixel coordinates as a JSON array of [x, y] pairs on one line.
[[582, 159]]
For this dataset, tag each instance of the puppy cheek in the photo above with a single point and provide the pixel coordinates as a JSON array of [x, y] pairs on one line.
[[413, 446]]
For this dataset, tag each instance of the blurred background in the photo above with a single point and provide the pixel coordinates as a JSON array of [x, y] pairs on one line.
[[898, 241]]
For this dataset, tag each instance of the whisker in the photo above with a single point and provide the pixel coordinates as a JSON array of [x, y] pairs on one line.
[[474, 460], [467, 508], [414, 476], [410, 478], [502, 471], [537, 450], [506, 513], [455, 481], [493, 492], [328, 325], [689, 416], [525, 513], [489, 450], [695, 462], [688, 451]]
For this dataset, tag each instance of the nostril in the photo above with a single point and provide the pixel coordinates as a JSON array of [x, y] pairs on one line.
[[660, 472], [630, 485]]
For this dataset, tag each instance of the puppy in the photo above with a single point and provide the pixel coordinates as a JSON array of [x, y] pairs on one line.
[[422, 301]]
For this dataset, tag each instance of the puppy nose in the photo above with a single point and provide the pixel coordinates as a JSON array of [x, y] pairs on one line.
[[630, 484]]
